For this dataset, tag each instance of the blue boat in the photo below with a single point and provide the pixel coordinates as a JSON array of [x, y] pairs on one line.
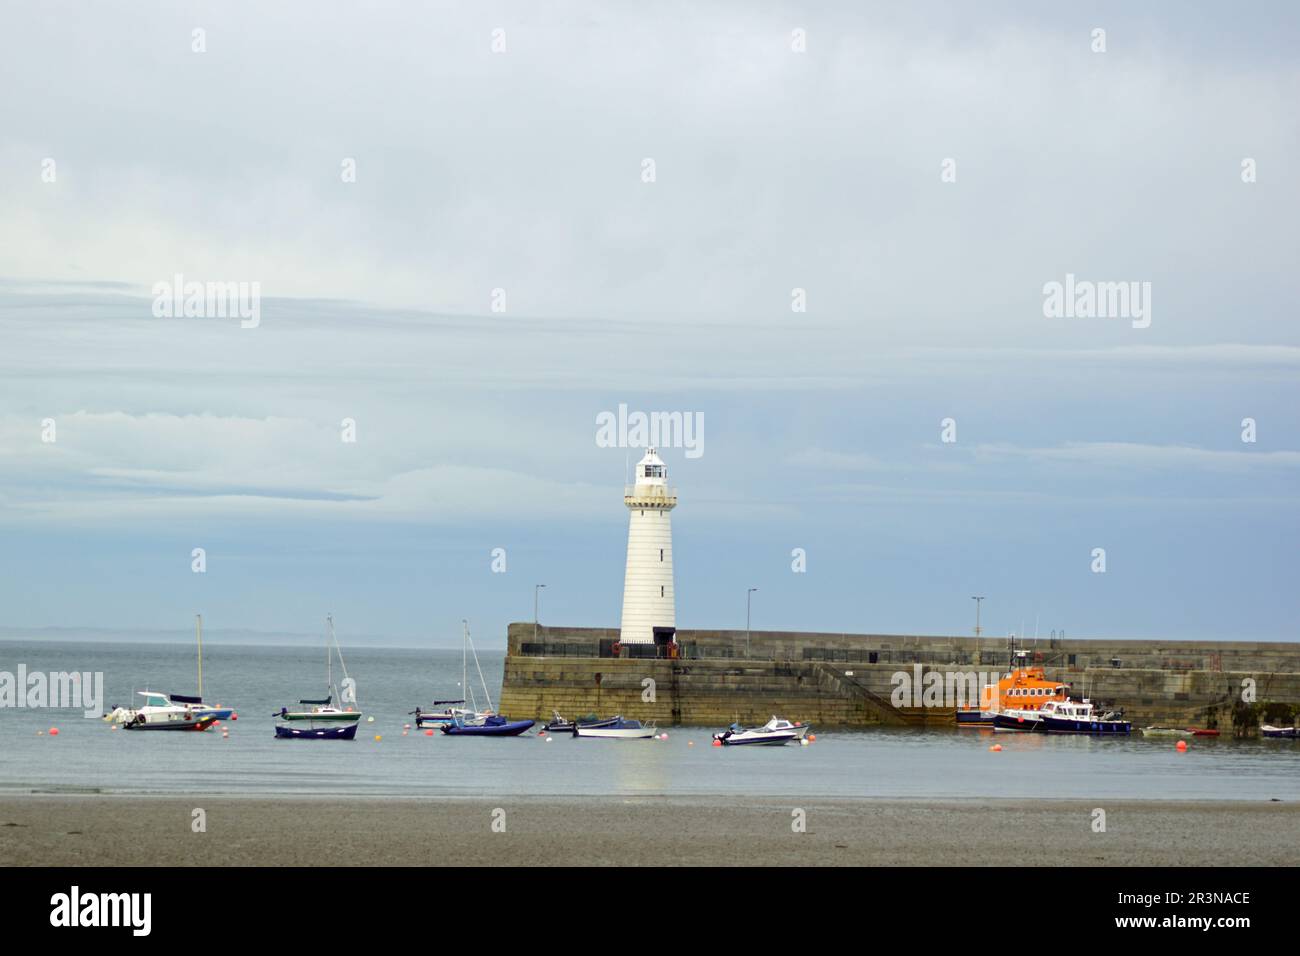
[[494, 726]]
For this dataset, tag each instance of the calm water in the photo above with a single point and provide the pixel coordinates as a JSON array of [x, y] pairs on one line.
[[87, 755]]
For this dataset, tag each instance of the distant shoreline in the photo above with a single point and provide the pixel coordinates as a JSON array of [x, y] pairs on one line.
[[112, 830]]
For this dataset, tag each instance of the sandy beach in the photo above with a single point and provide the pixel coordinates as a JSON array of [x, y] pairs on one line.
[[100, 830]]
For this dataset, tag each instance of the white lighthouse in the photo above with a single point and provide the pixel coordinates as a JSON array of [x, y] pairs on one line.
[[648, 610]]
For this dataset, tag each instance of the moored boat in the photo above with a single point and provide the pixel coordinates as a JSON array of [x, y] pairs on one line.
[[1079, 717], [451, 714], [1278, 733], [323, 718], [493, 726], [775, 732], [558, 725], [624, 729], [159, 713], [1166, 732], [1022, 688]]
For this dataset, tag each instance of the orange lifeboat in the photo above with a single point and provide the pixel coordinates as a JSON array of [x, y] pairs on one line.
[[1021, 688]]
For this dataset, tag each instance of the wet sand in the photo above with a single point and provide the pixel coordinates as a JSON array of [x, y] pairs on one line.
[[95, 830]]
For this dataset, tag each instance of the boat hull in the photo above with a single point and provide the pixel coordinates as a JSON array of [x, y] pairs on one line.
[[765, 740], [286, 732], [510, 728], [1017, 724], [199, 724], [616, 733], [340, 718], [1279, 733], [1097, 728]]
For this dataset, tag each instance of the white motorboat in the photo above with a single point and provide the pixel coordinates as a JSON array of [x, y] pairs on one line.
[[159, 712], [624, 729], [776, 731]]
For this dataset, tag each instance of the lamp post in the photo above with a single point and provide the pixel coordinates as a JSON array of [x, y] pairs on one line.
[[748, 597], [978, 655], [537, 590]]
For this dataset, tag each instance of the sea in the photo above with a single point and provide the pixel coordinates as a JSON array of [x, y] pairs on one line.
[[386, 759]]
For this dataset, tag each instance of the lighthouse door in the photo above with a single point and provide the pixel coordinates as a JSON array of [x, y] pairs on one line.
[[664, 640]]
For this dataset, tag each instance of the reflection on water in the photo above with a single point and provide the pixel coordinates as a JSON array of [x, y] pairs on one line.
[[932, 764]]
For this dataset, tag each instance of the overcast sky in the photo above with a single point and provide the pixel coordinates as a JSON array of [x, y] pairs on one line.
[[128, 158]]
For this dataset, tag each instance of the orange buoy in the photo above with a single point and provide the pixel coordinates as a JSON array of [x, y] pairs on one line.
[[996, 748], [234, 716], [378, 738], [54, 731], [812, 737], [1181, 746], [717, 742], [428, 733]]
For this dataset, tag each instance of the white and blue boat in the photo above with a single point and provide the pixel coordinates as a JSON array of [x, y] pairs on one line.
[[775, 732], [1079, 717]]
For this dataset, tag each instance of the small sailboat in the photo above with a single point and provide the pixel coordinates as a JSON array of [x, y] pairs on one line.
[[196, 703], [450, 713], [475, 722], [323, 718], [624, 729], [776, 731]]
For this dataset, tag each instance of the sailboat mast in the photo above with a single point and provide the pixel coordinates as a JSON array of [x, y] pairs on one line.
[[329, 653], [474, 651], [198, 630], [464, 660]]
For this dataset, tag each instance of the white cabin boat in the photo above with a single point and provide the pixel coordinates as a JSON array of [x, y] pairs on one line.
[[776, 731], [160, 712]]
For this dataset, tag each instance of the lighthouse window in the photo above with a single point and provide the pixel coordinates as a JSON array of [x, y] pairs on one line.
[[661, 554], [661, 590]]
